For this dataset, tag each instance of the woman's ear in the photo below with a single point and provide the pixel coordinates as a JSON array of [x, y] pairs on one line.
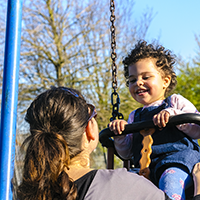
[[167, 81], [89, 131]]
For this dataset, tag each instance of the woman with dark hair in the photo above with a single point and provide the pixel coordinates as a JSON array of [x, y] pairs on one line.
[[63, 134]]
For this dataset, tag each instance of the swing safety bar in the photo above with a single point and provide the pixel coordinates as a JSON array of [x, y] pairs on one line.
[[105, 136]]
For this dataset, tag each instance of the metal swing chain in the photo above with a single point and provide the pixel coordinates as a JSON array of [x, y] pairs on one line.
[[115, 110]]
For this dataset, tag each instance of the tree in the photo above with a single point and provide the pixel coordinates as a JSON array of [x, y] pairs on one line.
[[68, 43], [56, 44], [188, 84]]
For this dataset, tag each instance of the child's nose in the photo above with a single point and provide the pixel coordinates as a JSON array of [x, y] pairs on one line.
[[139, 82]]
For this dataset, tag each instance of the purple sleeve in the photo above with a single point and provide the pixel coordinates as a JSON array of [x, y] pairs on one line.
[[180, 105]]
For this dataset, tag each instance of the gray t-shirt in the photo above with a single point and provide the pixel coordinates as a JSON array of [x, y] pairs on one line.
[[119, 184]]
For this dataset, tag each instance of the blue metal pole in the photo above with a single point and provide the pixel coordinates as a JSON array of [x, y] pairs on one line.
[[10, 97]]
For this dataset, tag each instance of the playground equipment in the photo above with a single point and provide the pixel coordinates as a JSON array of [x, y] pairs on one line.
[[146, 128], [105, 136], [9, 97]]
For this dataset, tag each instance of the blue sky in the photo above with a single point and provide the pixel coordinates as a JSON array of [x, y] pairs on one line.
[[175, 23]]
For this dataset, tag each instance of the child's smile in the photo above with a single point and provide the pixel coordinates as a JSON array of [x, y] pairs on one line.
[[141, 92]]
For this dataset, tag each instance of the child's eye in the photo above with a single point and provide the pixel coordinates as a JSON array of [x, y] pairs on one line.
[[146, 77], [132, 80]]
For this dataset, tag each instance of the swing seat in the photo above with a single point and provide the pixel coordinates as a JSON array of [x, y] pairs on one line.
[[105, 138]]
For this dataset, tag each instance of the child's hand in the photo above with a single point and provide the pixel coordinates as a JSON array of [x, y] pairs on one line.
[[161, 119], [117, 126]]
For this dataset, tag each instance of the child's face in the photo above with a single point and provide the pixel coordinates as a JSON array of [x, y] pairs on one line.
[[146, 83]]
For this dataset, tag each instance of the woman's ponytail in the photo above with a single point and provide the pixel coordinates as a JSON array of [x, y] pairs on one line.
[[57, 119], [45, 167]]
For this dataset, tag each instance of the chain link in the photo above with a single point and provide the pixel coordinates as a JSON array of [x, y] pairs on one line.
[[113, 45], [115, 111]]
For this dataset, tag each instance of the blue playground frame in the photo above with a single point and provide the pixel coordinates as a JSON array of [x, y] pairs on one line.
[[10, 97]]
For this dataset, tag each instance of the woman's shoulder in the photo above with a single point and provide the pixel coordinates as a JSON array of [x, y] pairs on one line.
[[115, 184], [84, 183]]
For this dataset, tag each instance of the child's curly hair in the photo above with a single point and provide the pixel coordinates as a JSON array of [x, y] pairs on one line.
[[165, 61]]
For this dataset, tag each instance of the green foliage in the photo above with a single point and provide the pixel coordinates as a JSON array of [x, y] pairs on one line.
[[189, 84], [99, 153]]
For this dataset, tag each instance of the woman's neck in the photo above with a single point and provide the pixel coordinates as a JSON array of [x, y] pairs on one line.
[[79, 166]]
